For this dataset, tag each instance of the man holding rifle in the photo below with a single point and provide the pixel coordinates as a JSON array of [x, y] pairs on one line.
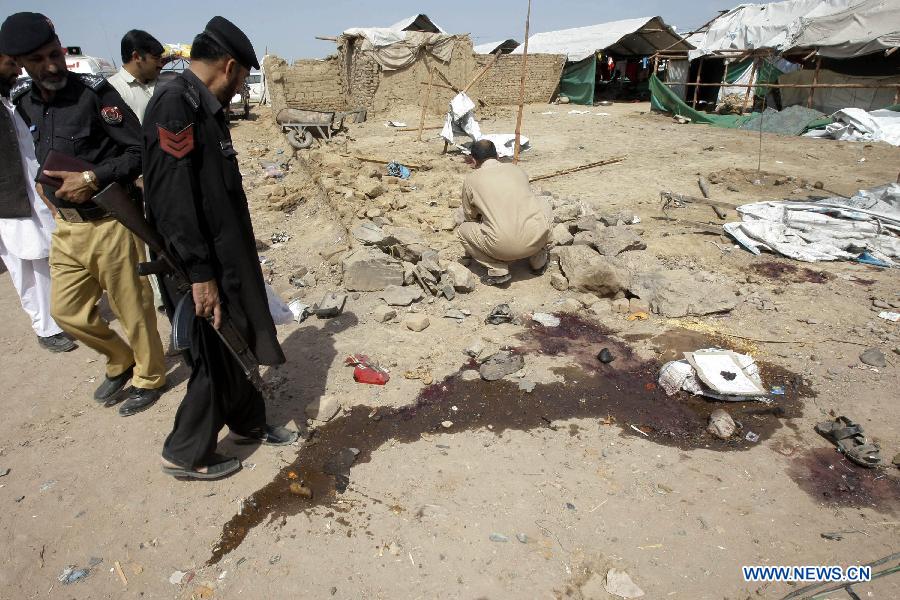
[[81, 125], [195, 199]]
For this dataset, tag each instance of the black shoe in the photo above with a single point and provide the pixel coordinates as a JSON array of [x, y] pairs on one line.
[[111, 386], [139, 400], [496, 280], [271, 436], [56, 343]]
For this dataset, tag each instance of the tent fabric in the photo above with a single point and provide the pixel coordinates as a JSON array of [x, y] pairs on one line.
[[577, 82], [768, 71], [865, 28], [419, 22], [401, 54], [753, 26], [396, 33], [857, 125], [627, 38], [492, 47], [677, 72], [829, 100]]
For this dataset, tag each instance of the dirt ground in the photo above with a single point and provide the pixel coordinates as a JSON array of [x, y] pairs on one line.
[[594, 469]]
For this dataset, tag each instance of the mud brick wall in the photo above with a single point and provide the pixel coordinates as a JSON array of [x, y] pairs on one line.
[[501, 84], [309, 84]]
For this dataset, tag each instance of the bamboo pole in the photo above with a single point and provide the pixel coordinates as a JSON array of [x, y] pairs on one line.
[[482, 72], [426, 103], [598, 163], [697, 84], [812, 90], [518, 146], [447, 81], [752, 85]]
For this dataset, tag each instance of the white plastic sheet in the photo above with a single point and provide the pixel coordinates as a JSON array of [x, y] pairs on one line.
[[857, 125]]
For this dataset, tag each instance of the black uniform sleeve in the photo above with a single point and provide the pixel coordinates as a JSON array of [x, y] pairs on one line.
[[125, 167], [172, 187]]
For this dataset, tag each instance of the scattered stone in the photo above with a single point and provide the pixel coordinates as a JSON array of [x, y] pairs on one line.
[[499, 314], [369, 186], [594, 588], [559, 282], [545, 319], [368, 270], [560, 235], [403, 243], [395, 295], [605, 356], [500, 365], [612, 241], [383, 314], [332, 253], [566, 213], [368, 232], [527, 386], [176, 578], [818, 185], [874, 358], [721, 424], [330, 306], [453, 313], [324, 409], [498, 537], [470, 375], [446, 424], [431, 262], [680, 293], [522, 538], [617, 218], [373, 213], [587, 271], [636, 305], [570, 305], [417, 323], [586, 223], [619, 583], [4, 472], [584, 238]]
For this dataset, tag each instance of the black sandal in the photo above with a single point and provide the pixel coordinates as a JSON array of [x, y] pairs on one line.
[[221, 467], [850, 441]]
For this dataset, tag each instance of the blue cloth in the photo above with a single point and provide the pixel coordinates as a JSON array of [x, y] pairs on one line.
[[395, 169]]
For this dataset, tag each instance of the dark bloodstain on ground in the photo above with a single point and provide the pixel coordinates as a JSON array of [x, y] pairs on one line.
[[788, 272], [624, 390], [829, 477]]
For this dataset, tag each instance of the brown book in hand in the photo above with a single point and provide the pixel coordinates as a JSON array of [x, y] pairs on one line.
[[57, 161]]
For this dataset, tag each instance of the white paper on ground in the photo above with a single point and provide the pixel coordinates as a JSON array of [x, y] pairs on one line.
[[280, 312], [711, 367]]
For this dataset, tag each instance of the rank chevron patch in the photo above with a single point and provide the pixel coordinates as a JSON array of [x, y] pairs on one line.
[[178, 144]]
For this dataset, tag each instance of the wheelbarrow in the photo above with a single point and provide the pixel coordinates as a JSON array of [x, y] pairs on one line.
[[298, 125]]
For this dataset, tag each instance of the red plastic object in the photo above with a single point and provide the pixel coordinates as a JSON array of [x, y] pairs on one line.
[[367, 371]]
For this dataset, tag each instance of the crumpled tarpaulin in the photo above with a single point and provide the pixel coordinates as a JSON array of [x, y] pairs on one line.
[[460, 119], [830, 229], [394, 50], [857, 125]]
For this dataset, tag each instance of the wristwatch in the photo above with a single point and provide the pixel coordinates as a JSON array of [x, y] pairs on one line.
[[91, 180]]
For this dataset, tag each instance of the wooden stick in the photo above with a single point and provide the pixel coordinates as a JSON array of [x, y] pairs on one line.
[[598, 163], [417, 129], [437, 85], [385, 162], [518, 146], [447, 81], [120, 573], [426, 103], [327, 38], [812, 90], [697, 84], [750, 88], [482, 72]]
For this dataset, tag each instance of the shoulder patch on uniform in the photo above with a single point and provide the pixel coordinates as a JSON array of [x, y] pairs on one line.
[[20, 89], [112, 115], [176, 143], [95, 82], [192, 96]]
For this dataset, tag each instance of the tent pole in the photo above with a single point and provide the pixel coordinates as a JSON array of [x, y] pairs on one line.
[[427, 102], [812, 90], [750, 87], [897, 95], [697, 83], [656, 63], [518, 146]]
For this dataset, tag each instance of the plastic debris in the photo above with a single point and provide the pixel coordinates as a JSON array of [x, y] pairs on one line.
[[522, 538], [271, 170], [777, 390], [331, 305], [701, 373], [619, 583], [498, 537], [280, 237], [71, 574], [752, 437], [889, 316], [545, 319], [299, 310], [867, 259], [395, 169], [367, 370]]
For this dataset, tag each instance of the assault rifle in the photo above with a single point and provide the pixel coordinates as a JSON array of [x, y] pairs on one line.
[[116, 200]]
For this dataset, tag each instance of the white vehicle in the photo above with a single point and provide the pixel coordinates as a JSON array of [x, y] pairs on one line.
[[255, 82], [77, 62]]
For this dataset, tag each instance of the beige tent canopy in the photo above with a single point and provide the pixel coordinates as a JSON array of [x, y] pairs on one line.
[[865, 28]]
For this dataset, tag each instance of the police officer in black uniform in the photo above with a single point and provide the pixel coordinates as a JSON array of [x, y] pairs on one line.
[[82, 117], [194, 195]]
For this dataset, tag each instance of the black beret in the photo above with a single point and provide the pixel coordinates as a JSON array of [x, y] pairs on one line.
[[25, 32], [234, 41]]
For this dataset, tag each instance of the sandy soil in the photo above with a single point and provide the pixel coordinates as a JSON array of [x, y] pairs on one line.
[[561, 466]]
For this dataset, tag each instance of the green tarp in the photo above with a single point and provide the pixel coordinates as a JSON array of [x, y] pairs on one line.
[[766, 72], [577, 82]]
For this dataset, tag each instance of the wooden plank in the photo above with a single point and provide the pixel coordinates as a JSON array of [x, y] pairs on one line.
[[812, 90], [426, 102], [599, 163], [697, 84], [518, 145], [753, 71]]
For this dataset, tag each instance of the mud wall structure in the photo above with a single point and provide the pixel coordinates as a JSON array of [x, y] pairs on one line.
[[352, 79]]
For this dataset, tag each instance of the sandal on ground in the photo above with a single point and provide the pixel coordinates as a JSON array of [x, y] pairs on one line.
[[270, 435], [851, 441], [221, 466]]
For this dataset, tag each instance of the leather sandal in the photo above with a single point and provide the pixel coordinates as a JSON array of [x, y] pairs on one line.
[[222, 466]]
